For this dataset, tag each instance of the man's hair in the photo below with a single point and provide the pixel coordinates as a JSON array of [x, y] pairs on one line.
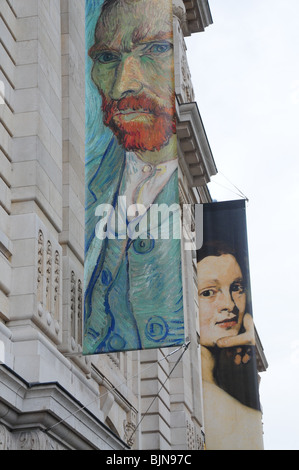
[[108, 4]]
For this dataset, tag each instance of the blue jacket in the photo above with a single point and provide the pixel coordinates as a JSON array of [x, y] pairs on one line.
[[133, 288]]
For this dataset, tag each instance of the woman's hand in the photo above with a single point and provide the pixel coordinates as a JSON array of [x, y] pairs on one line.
[[244, 339]]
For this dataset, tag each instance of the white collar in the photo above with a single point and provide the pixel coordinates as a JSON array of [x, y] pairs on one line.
[[142, 182]]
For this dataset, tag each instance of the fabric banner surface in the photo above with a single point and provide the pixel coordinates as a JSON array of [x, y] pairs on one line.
[[132, 272], [227, 335]]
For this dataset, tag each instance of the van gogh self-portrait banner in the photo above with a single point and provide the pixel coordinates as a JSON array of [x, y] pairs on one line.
[[133, 286], [227, 337]]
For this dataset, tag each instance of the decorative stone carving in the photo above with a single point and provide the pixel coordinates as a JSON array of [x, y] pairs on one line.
[[130, 425], [129, 429], [197, 159], [190, 435], [48, 276], [79, 312], [48, 315], [56, 285], [40, 266], [36, 440], [5, 439], [200, 440], [115, 358], [73, 305], [183, 83], [186, 84], [76, 310], [179, 10]]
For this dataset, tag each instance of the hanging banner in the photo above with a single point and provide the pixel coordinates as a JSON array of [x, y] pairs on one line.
[[133, 286], [227, 335]]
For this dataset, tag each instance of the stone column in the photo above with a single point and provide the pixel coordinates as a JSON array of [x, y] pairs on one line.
[[36, 187]]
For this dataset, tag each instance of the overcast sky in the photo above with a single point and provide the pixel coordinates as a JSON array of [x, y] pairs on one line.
[[245, 72]]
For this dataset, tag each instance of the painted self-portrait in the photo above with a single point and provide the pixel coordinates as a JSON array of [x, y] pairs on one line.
[[133, 287], [227, 335]]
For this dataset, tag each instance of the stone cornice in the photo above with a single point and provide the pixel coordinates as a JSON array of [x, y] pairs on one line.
[[198, 15], [49, 416], [196, 155], [262, 364]]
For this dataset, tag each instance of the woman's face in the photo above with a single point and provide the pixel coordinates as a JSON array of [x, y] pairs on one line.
[[222, 298]]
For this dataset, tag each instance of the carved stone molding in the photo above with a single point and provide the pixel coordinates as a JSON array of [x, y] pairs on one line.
[[76, 310], [195, 436], [56, 285], [129, 429], [52, 420], [179, 10], [73, 305], [195, 151], [198, 15], [36, 440], [40, 266], [48, 287], [190, 435], [200, 440], [80, 312], [5, 439], [183, 83], [48, 276], [130, 425], [72, 319]]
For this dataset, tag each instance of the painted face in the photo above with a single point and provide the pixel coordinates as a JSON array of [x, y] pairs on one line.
[[222, 298], [133, 70]]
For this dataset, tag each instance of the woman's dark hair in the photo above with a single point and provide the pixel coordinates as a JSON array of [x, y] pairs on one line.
[[215, 248]]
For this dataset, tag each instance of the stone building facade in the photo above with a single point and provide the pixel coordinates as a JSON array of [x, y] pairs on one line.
[[50, 396]]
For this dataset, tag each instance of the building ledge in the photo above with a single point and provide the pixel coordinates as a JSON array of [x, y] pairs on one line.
[[44, 416], [198, 15], [195, 152], [262, 364]]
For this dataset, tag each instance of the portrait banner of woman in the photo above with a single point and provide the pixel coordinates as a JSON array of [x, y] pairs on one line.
[[132, 272], [227, 333]]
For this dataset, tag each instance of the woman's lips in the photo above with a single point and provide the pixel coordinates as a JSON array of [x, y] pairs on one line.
[[228, 323]]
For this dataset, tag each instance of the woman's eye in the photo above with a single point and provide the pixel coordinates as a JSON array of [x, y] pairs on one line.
[[207, 293], [106, 57], [237, 287]]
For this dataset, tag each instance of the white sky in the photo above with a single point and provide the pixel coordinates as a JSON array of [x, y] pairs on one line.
[[245, 72]]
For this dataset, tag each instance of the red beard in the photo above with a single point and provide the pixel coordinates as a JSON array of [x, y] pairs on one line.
[[152, 134]]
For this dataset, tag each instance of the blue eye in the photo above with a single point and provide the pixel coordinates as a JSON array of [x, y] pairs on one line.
[[159, 48], [106, 57]]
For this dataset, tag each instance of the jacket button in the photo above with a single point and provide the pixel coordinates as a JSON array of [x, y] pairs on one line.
[[156, 328], [143, 246]]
